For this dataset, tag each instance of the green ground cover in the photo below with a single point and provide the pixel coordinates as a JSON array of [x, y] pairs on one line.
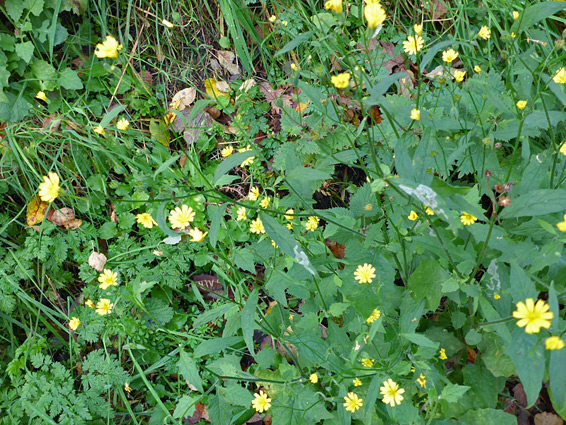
[[282, 212]]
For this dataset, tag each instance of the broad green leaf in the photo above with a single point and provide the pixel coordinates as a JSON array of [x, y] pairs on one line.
[[280, 234], [453, 392], [537, 202], [489, 417], [34, 6], [557, 388], [159, 130], [14, 9], [426, 283], [25, 50], [420, 340], [231, 162], [211, 315], [215, 345], [185, 406], [70, 80], [188, 368], [244, 259], [249, 315], [528, 356], [216, 213], [522, 287], [301, 38], [377, 91], [536, 13], [110, 115]]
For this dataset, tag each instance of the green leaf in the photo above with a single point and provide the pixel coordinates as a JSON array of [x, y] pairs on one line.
[[14, 8], [25, 50], [453, 392], [35, 6], [301, 38], [280, 234], [537, 202], [489, 417], [528, 356], [15, 109], [107, 230], [110, 115], [434, 50], [70, 80], [244, 259], [557, 388], [249, 315], [377, 91], [337, 309], [522, 287], [536, 13], [216, 213], [426, 283], [159, 130], [420, 340], [185, 406], [231, 162], [215, 345], [188, 368], [211, 315]]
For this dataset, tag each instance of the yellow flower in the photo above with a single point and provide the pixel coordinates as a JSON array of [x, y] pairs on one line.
[[562, 225], [284, 23], [413, 369], [560, 76], [89, 303], [265, 202], [563, 148], [247, 161], [123, 124], [415, 114], [49, 189], [422, 381], [272, 18], [551, 343], [477, 69], [413, 44], [365, 273], [413, 216], [241, 214], [418, 28], [261, 402], [254, 194], [391, 393], [429, 211], [467, 219], [197, 235], [289, 226], [375, 15], [352, 402], [449, 55], [99, 130], [104, 306], [289, 214], [180, 218], [497, 297], [146, 220], [521, 104], [293, 66], [341, 81], [357, 382], [168, 24], [227, 151], [515, 15], [375, 314], [484, 32], [442, 353], [312, 223], [108, 49], [41, 96], [367, 362], [257, 226], [335, 5], [127, 388], [74, 323], [513, 35], [533, 316], [313, 378], [107, 278], [459, 76]]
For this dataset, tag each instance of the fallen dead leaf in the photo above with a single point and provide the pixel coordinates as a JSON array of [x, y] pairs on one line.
[[64, 217], [226, 59], [223, 86], [438, 9], [248, 84], [210, 287], [438, 71], [183, 98], [200, 123], [36, 211], [212, 89], [547, 418], [519, 394], [271, 95], [97, 261], [200, 414], [376, 114], [337, 249]]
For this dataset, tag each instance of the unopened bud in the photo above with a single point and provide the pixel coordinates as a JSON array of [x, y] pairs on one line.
[[498, 145], [487, 173], [559, 43], [505, 201], [498, 188], [507, 187]]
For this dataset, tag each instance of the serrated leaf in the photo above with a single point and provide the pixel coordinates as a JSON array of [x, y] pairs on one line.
[[25, 50], [188, 368], [453, 392], [537, 202], [35, 6], [216, 345], [249, 315], [231, 162], [14, 9], [185, 406], [536, 13], [70, 80]]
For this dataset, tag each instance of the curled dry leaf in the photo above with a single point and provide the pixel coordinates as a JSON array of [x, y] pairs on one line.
[[64, 217], [247, 85], [183, 98], [36, 211], [213, 90], [229, 62], [97, 261], [547, 418]]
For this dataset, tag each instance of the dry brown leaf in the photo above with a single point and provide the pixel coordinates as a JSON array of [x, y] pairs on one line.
[[200, 414], [75, 223], [438, 71], [226, 59], [97, 261], [61, 217], [271, 95], [547, 418], [183, 98], [223, 86], [438, 9], [406, 85], [200, 123], [248, 84], [36, 211], [337, 249], [212, 89], [519, 394]]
